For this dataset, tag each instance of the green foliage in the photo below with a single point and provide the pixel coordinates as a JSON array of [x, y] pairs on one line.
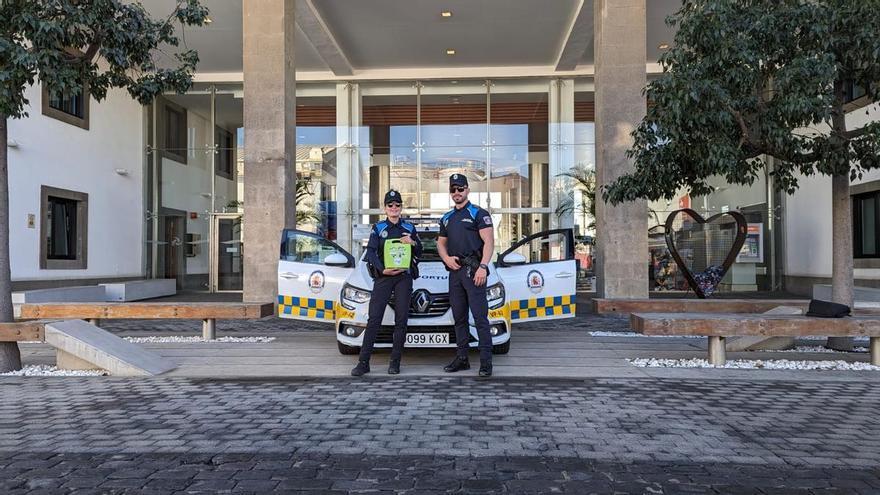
[[585, 180], [747, 78], [101, 44]]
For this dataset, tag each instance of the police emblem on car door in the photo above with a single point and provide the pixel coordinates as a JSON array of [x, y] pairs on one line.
[[539, 275], [311, 273]]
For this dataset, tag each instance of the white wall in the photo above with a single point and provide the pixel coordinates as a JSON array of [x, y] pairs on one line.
[[53, 153], [808, 217]]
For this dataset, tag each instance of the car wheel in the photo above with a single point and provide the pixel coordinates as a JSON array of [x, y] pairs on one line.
[[347, 349], [501, 348]]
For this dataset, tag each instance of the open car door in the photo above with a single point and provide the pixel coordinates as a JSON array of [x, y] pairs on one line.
[[311, 273], [539, 275]]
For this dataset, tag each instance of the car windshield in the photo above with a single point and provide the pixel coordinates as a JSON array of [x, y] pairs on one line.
[[429, 246]]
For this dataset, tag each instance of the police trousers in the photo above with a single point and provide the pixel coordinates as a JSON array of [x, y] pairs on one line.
[[464, 295], [401, 286]]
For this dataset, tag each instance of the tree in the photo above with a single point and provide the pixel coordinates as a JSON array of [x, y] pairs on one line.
[[749, 79], [71, 45], [585, 180]]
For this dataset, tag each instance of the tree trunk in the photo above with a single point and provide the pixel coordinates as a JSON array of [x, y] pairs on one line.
[[10, 357], [842, 253]]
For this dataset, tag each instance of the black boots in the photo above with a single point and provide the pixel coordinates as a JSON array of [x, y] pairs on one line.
[[485, 368], [457, 364], [362, 368], [394, 367]]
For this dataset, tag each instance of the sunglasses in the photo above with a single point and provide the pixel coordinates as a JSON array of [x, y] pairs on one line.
[[456, 189], [393, 205]]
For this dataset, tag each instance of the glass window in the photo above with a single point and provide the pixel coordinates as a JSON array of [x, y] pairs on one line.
[[454, 133], [68, 102], [867, 225], [388, 148], [316, 161], [303, 247], [547, 246], [61, 233], [518, 154], [64, 229]]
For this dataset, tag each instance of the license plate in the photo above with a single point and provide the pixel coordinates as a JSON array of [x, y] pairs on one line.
[[427, 339]]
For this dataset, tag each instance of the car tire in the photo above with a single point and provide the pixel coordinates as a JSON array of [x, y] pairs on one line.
[[501, 348], [348, 350]]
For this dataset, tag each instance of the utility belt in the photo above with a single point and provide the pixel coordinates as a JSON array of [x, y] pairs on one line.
[[470, 263]]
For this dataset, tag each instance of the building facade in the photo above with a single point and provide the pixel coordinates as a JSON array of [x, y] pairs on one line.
[[304, 113]]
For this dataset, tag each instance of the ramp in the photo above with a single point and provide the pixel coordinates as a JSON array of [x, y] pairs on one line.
[[81, 345]]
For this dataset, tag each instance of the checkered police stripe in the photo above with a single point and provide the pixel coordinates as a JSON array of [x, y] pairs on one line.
[[319, 309], [542, 306]]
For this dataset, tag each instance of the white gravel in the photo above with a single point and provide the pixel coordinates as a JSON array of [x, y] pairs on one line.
[[45, 370], [817, 348], [780, 364], [172, 339]]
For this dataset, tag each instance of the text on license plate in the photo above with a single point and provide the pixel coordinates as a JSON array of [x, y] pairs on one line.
[[427, 338]]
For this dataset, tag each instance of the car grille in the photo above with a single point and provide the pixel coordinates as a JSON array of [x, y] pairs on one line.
[[438, 307], [386, 333]]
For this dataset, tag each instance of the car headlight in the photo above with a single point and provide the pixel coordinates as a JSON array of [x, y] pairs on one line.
[[351, 293], [495, 296]]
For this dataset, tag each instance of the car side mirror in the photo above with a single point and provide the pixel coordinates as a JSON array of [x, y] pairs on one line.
[[336, 259], [514, 258]]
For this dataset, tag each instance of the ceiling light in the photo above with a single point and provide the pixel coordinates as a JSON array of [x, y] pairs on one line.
[[663, 46], [446, 13], [450, 51]]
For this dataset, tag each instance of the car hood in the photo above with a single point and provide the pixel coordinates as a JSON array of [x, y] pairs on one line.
[[432, 277]]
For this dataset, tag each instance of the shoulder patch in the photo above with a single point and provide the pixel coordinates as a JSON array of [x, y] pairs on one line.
[[445, 218], [408, 226], [380, 227], [474, 210]]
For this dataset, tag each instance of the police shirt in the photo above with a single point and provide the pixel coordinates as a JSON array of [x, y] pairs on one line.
[[461, 227], [387, 230]]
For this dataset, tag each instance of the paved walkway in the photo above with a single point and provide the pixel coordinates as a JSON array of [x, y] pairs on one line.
[[560, 348], [434, 435]]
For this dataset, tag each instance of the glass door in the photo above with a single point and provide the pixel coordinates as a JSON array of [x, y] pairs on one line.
[[226, 247]]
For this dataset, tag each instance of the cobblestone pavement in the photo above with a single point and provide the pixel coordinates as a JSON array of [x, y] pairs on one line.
[[447, 434]]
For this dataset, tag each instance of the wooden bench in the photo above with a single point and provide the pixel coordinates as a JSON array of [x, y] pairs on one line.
[[209, 313], [681, 305], [718, 326], [22, 331]]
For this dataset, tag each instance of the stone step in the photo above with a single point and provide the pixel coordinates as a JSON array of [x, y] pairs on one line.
[[136, 290], [81, 345]]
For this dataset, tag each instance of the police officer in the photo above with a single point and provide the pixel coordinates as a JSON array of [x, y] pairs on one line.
[[387, 281], [465, 244]]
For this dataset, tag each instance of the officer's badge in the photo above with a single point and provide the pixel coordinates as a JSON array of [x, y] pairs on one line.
[[455, 176], [487, 220], [384, 234], [392, 193]]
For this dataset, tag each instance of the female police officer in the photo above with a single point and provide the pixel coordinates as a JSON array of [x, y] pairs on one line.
[[388, 281]]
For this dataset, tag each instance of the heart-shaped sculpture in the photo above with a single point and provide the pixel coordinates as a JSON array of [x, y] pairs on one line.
[[705, 248]]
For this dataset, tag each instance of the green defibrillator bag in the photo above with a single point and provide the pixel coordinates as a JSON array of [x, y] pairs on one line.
[[397, 254]]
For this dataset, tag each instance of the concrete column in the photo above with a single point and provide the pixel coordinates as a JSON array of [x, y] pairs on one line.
[[621, 231], [269, 140]]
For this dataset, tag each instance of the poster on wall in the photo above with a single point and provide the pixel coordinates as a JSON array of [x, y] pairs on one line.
[[753, 249]]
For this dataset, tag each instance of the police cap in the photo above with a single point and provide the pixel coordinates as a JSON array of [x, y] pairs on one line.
[[458, 180]]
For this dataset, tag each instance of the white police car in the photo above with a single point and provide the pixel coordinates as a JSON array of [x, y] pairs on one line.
[[319, 281]]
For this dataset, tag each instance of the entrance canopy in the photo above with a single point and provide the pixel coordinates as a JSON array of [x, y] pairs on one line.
[[376, 39]]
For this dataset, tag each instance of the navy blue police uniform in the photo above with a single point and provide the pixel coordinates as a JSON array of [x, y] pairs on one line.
[[461, 228], [385, 285]]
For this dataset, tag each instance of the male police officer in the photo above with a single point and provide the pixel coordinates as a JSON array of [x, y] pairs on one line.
[[387, 281], [465, 245]]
